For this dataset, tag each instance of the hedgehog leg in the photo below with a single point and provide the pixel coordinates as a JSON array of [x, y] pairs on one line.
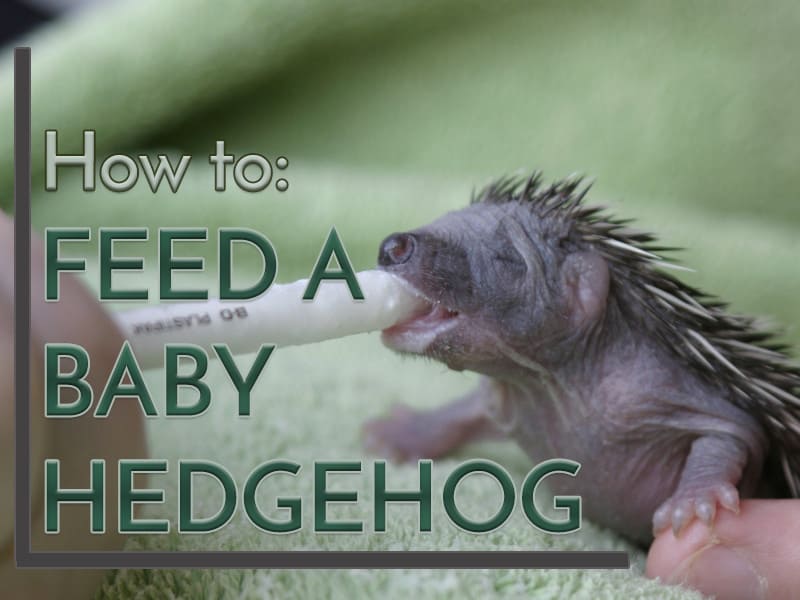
[[710, 475], [408, 434]]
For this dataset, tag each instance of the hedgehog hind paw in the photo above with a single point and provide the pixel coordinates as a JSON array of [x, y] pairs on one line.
[[701, 503]]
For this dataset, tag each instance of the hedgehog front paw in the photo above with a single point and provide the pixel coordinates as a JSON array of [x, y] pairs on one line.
[[397, 436], [690, 502]]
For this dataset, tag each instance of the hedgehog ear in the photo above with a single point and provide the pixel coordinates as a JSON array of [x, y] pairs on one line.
[[585, 279]]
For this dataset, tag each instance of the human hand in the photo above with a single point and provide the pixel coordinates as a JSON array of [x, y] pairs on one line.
[[751, 555], [76, 318]]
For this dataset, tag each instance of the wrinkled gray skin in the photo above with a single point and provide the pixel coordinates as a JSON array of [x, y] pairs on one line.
[[568, 373]]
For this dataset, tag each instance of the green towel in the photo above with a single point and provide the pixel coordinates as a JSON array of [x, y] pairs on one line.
[[390, 116]]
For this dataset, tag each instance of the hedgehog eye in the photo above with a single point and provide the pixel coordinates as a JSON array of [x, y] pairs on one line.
[[505, 254], [507, 258]]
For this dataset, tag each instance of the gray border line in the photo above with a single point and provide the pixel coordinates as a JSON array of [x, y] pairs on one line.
[[338, 559], [293, 559], [22, 303]]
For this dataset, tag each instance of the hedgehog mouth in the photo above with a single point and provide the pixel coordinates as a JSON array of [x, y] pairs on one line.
[[416, 333]]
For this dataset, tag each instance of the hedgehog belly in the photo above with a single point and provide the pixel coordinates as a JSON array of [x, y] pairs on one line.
[[621, 484]]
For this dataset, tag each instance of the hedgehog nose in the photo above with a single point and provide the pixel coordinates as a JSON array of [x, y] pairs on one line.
[[396, 249]]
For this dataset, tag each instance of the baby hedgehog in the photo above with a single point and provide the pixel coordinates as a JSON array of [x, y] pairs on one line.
[[591, 351]]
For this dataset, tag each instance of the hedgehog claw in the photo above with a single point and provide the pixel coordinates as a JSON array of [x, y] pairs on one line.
[[681, 515], [728, 497], [706, 509]]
